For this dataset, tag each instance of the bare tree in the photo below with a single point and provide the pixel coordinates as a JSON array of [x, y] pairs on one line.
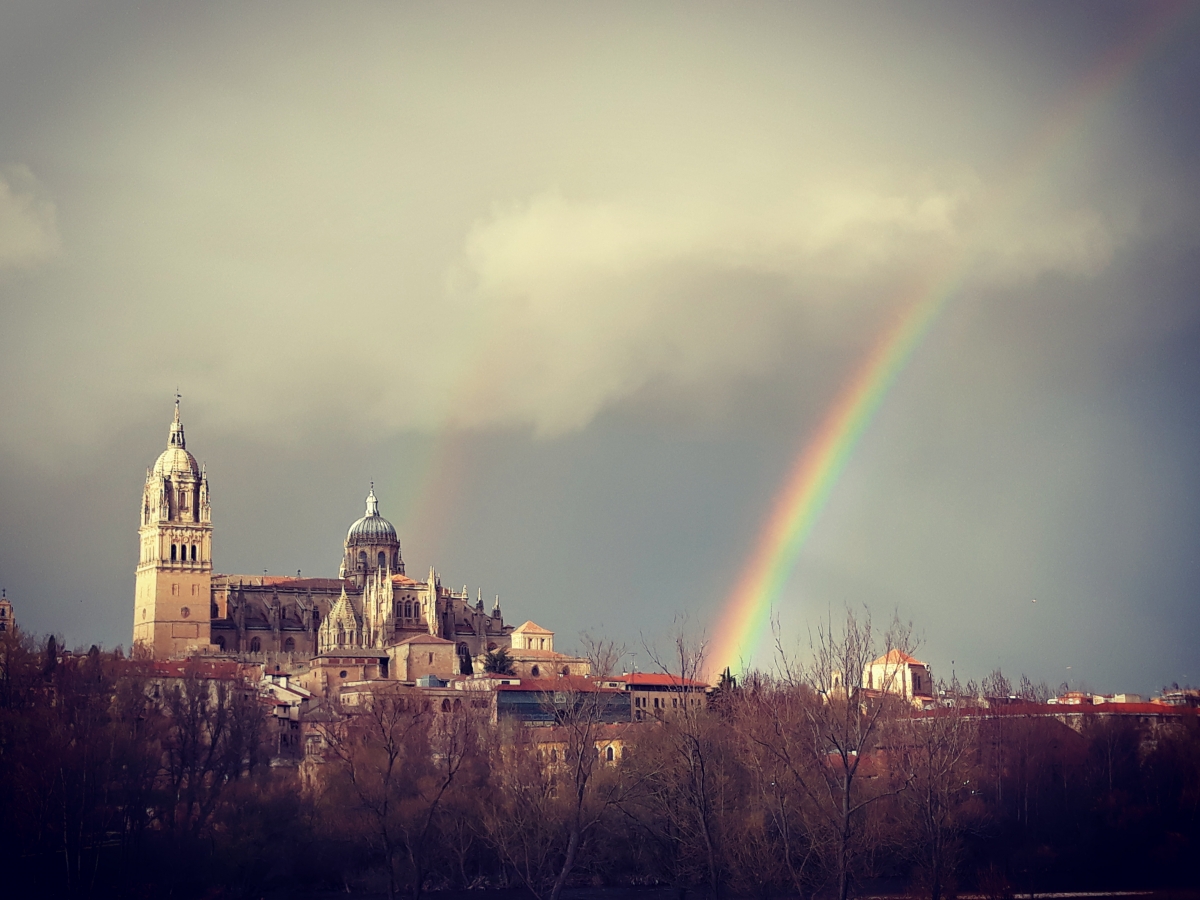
[[844, 726], [400, 760], [520, 812], [937, 750], [450, 741], [997, 686], [370, 747], [686, 774], [213, 736], [771, 718], [1033, 693], [565, 777], [588, 787]]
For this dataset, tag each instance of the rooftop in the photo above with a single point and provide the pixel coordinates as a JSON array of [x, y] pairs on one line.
[[897, 656], [659, 679], [558, 684], [531, 627], [423, 639]]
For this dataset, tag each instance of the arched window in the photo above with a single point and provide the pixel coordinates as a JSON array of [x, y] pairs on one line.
[[174, 553], [362, 560], [609, 753], [193, 552], [256, 646], [446, 705], [341, 636], [457, 705], [554, 754], [535, 672], [408, 609], [289, 646], [382, 559]]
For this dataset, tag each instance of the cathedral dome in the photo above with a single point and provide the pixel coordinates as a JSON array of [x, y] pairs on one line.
[[371, 528], [175, 460]]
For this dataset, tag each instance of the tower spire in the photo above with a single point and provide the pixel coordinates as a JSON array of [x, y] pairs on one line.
[[372, 503], [176, 439]]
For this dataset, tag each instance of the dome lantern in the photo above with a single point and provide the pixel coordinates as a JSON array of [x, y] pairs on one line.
[[371, 545], [371, 528], [175, 460]]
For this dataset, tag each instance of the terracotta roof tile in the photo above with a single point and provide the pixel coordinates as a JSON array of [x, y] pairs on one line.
[[531, 627], [658, 679], [424, 639], [897, 656]]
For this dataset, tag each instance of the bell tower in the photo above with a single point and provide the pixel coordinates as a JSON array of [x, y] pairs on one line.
[[174, 573]]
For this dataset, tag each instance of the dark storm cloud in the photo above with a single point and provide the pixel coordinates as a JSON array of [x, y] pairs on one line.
[[625, 258]]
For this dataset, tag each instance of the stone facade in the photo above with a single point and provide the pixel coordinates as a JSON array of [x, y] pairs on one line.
[[270, 614], [174, 572], [899, 674], [181, 607], [7, 621]]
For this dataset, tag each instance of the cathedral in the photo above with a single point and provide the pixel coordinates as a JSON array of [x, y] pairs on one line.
[[371, 610]]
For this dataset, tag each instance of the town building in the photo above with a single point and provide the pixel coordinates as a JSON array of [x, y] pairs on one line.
[[8, 621], [532, 654], [657, 695], [899, 674]]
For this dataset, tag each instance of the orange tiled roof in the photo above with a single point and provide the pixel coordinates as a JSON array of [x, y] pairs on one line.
[[531, 627], [658, 679], [181, 668], [897, 656], [424, 639]]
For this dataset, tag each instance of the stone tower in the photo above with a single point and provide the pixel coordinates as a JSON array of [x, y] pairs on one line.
[[7, 621], [174, 571]]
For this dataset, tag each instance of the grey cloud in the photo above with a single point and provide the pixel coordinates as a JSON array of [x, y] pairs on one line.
[[626, 259], [28, 221], [379, 217], [586, 290]]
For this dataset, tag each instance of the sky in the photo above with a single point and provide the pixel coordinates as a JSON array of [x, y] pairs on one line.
[[574, 286]]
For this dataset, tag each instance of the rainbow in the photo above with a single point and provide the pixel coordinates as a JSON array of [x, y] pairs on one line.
[[746, 618]]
